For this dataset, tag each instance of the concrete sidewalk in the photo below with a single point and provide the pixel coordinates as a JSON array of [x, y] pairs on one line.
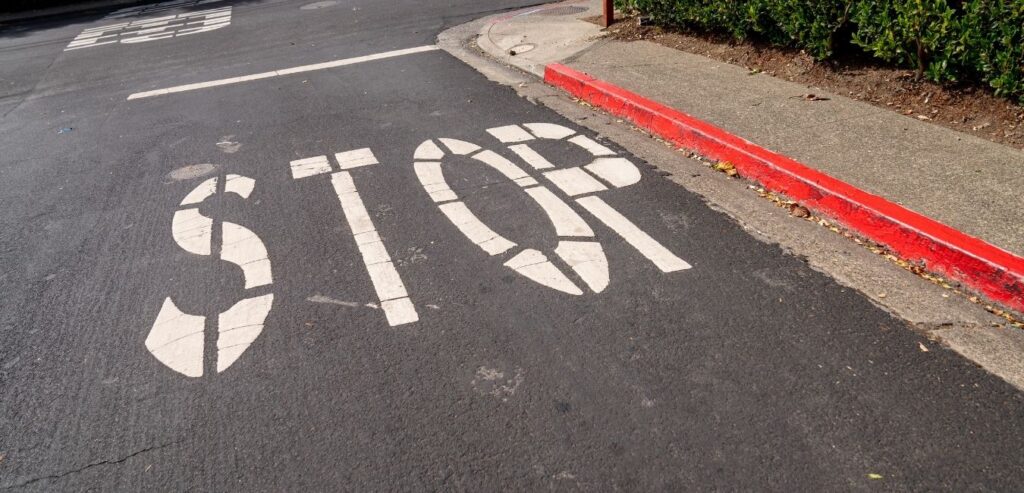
[[968, 183]]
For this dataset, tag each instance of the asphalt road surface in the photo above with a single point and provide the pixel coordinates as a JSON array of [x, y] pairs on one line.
[[290, 282]]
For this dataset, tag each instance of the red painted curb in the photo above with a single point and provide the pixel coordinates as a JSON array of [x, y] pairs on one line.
[[990, 270]]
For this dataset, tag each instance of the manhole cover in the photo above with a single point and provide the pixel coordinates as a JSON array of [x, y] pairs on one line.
[[562, 11], [319, 5], [191, 171]]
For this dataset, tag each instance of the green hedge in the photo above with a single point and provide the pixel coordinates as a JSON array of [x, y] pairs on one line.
[[944, 40]]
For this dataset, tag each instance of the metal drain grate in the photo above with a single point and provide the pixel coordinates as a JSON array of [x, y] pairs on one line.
[[562, 11]]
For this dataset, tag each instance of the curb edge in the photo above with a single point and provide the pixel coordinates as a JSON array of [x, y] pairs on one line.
[[981, 266]]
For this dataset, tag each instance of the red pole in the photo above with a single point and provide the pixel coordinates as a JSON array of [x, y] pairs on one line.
[[609, 12]]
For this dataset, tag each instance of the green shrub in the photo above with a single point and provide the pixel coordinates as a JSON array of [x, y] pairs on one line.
[[812, 25], [994, 44], [917, 33], [944, 40]]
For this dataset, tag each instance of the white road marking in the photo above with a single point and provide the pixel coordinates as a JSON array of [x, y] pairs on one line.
[[152, 29], [474, 229], [355, 159], [203, 191], [239, 185], [398, 308], [574, 181], [244, 249], [510, 133], [505, 167], [236, 184], [428, 150], [588, 260], [549, 130], [642, 242], [536, 161], [239, 326], [432, 178], [372, 248], [459, 147], [589, 144], [192, 231], [316, 165], [617, 171], [399, 311], [358, 218], [535, 266], [281, 72], [176, 340], [566, 221]]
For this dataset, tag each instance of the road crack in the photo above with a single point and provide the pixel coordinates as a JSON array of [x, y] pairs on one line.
[[90, 465]]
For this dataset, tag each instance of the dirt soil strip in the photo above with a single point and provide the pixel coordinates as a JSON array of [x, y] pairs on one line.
[[966, 108], [994, 272]]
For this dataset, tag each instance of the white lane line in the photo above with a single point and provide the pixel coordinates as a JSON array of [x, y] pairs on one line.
[[238, 327], [285, 71], [642, 242], [244, 249], [394, 299]]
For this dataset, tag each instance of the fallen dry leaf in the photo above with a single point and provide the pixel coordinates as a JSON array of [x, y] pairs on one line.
[[725, 167], [799, 211]]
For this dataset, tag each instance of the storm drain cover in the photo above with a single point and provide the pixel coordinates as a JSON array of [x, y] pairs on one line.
[[562, 11]]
